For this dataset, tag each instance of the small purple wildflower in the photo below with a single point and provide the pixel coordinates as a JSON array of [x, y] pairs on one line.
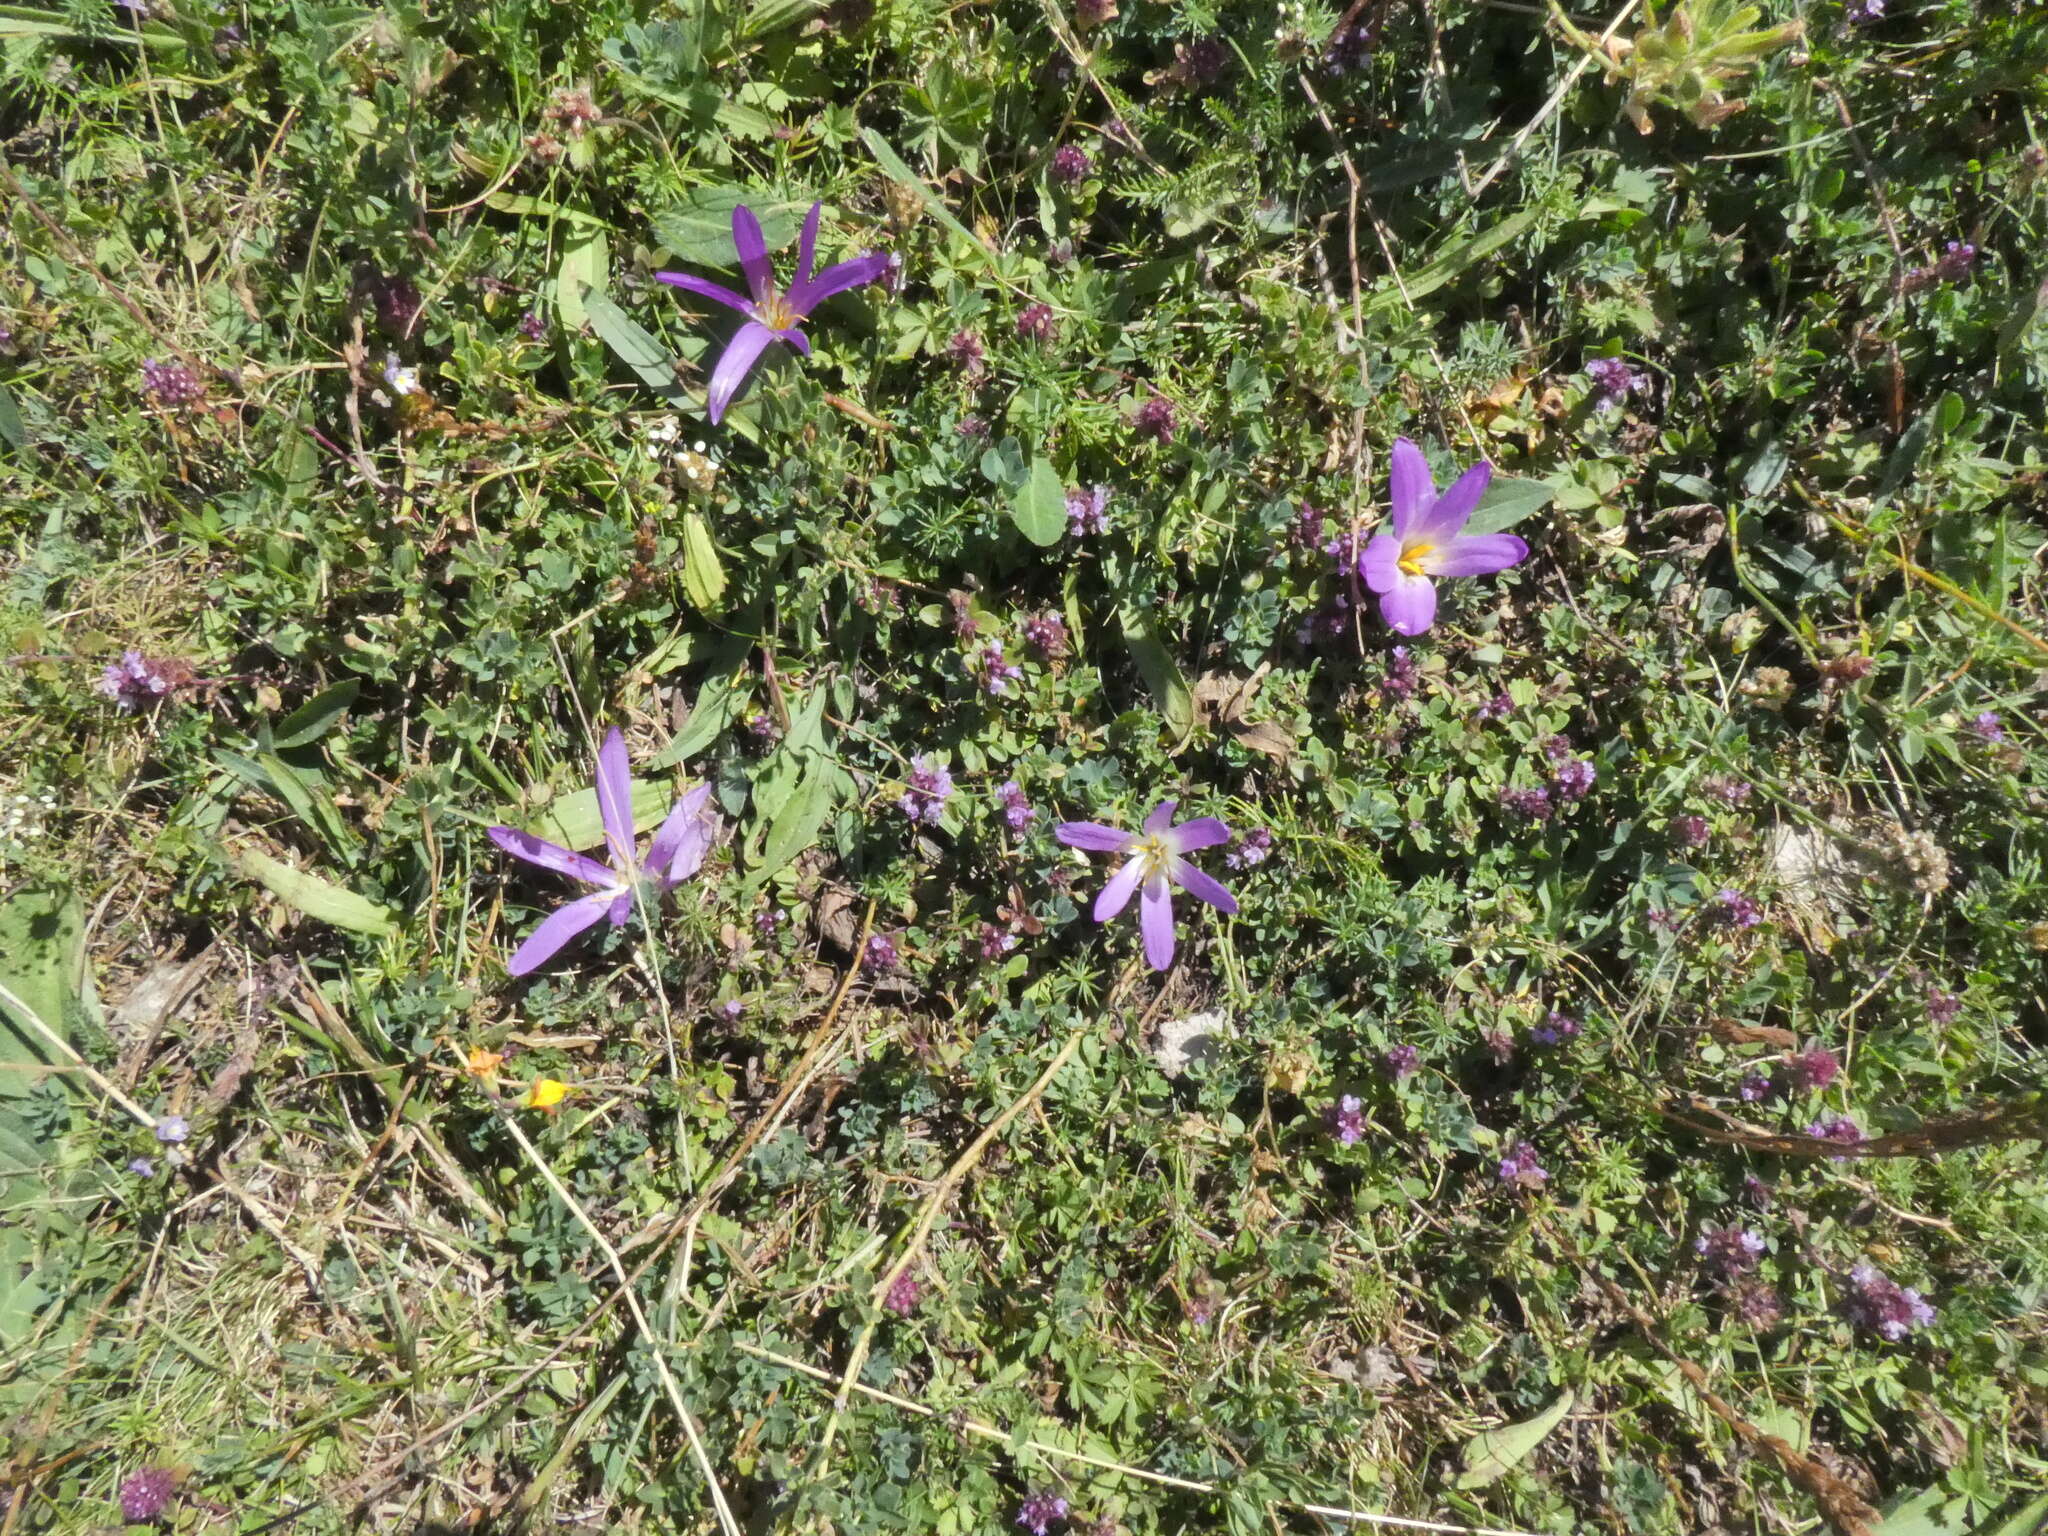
[[769, 922], [1345, 1119], [1754, 1088], [1557, 748], [172, 1129], [142, 1167], [1943, 1008], [1864, 12], [1520, 1167], [996, 942], [1500, 1045], [881, 954], [904, 1294], [1813, 1069], [1040, 1512], [1689, 831], [1088, 510], [1727, 789], [1037, 324], [1402, 1062], [145, 1495], [1729, 1251], [1350, 48], [1046, 633], [1555, 1029], [1532, 803], [1156, 419], [531, 326], [171, 384], [1841, 1130], [1305, 531], [1878, 1302], [1988, 727], [972, 427], [1733, 908], [926, 791], [996, 673], [963, 350], [732, 1010], [1403, 677], [1018, 810], [1070, 165], [1756, 1191], [135, 680], [1573, 781], [762, 727], [1249, 849], [1613, 382], [1758, 1304], [1499, 707], [1155, 861], [1425, 539], [1956, 261]]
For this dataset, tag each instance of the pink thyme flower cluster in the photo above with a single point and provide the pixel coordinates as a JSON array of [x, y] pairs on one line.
[[1017, 808], [926, 791], [1876, 1301], [146, 1494], [171, 385], [1040, 1512], [993, 670], [1088, 510], [1046, 633], [1345, 1119], [1729, 1251], [137, 681], [1070, 165], [1521, 1168], [904, 1294], [1156, 419], [1037, 324]]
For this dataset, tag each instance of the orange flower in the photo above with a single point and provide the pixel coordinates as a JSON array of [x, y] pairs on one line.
[[482, 1062]]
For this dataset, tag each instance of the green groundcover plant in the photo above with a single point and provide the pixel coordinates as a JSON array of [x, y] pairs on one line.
[[1595, 1080]]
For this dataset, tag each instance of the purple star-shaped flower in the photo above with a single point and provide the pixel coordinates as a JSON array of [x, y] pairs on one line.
[[772, 314], [676, 853], [1428, 540], [1157, 862]]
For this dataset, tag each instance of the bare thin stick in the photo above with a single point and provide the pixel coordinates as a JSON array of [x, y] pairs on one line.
[[1103, 1463], [618, 1268], [936, 1202], [1543, 113]]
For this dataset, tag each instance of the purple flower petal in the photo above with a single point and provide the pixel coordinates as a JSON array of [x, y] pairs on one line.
[[1202, 887], [1409, 487], [1379, 564], [857, 273], [621, 909], [795, 338], [1481, 554], [1117, 894], [704, 288], [752, 246], [1453, 509], [1409, 606], [1161, 818], [807, 246], [615, 799], [741, 353], [680, 843], [1155, 920], [557, 929], [538, 850], [1093, 836], [1202, 832]]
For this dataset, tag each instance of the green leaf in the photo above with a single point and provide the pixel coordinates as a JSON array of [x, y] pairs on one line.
[[797, 824], [699, 229], [634, 347], [21, 21], [1039, 506], [718, 704], [585, 264], [10, 420], [765, 16], [893, 167], [534, 207], [1452, 262], [703, 576], [2031, 1520], [1508, 501], [316, 717], [314, 896], [1491, 1454], [41, 962], [1170, 691], [574, 822]]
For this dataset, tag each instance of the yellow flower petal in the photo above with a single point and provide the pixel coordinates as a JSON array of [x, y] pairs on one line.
[[546, 1093]]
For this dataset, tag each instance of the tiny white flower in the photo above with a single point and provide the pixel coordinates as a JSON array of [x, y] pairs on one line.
[[403, 381]]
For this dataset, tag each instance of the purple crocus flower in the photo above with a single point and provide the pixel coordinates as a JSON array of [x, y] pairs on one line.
[[676, 853], [772, 314], [1155, 865], [1427, 540]]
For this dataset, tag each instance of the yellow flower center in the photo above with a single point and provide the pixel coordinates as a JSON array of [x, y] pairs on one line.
[[776, 313], [1157, 856], [1412, 557]]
